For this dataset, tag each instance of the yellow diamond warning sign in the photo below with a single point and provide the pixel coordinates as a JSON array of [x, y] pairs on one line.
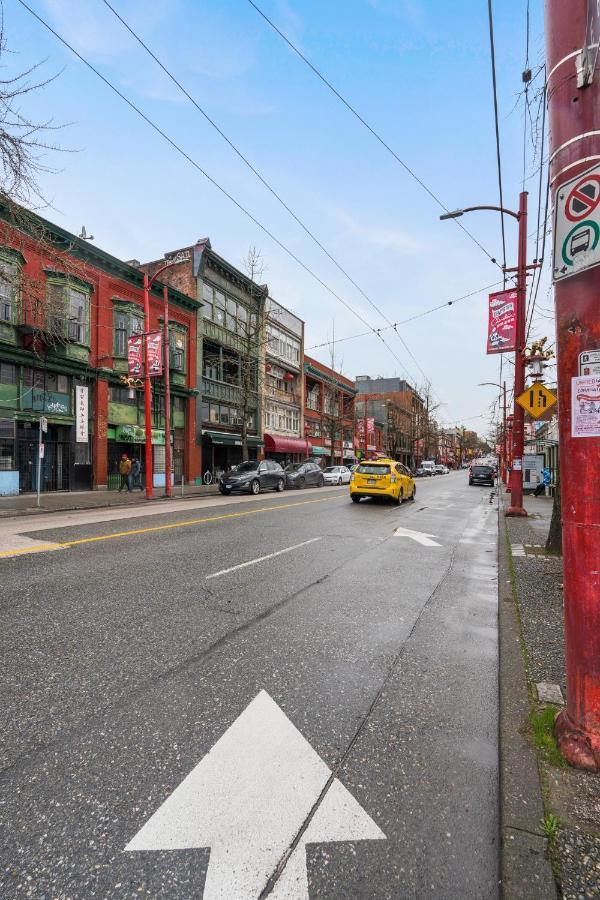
[[536, 400]]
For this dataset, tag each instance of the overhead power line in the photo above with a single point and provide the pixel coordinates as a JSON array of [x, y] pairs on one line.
[[258, 175], [497, 127], [369, 127], [215, 183]]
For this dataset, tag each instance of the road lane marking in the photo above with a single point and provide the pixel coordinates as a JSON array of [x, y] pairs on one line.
[[202, 521], [419, 536], [259, 559], [248, 799], [31, 548]]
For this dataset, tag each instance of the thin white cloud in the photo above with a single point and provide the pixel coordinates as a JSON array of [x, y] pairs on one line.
[[377, 236]]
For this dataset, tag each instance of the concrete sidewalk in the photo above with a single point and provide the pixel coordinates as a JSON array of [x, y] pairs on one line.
[[26, 504]]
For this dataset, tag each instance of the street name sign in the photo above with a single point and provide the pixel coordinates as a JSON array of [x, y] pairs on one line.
[[248, 800], [577, 225], [536, 400]]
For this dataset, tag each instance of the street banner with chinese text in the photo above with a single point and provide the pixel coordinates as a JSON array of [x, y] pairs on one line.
[[154, 353], [81, 414], [135, 365], [502, 322]]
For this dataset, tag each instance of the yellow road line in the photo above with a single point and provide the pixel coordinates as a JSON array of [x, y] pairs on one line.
[[236, 515], [37, 549]]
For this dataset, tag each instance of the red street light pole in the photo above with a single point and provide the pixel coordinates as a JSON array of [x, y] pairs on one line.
[[148, 282], [503, 389], [516, 484], [573, 92]]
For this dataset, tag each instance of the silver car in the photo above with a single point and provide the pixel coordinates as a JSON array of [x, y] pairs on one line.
[[337, 475]]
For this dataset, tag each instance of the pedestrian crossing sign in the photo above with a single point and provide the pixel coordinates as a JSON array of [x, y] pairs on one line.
[[536, 400]]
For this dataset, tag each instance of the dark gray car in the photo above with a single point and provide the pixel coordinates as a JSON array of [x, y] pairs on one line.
[[253, 476], [299, 475]]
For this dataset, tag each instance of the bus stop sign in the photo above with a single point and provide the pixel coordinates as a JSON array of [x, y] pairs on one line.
[[577, 225]]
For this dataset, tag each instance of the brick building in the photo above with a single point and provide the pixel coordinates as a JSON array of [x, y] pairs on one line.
[[396, 404], [66, 311], [328, 413]]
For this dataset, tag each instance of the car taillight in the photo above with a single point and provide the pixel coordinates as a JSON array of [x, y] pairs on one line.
[[393, 479]]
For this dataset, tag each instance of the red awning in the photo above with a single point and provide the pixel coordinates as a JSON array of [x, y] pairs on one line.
[[279, 444]]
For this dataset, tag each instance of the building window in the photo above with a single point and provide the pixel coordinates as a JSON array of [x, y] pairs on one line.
[[177, 343], [10, 274], [126, 323], [121, 395], [8, 373], [222, 414], [69, 310]]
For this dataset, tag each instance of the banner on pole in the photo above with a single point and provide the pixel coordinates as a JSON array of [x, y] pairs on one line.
[[135, 356], [154, 353], [502, 322]]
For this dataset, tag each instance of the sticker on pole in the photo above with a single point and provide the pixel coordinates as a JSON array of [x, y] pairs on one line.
[[585, 406], [577, 225]]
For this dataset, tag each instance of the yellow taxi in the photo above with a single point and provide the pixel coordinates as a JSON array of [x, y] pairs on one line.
[[382, 478]]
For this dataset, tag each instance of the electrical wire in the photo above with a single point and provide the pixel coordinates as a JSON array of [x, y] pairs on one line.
[[369, 127], [215, 184], [496, 125], [261, 178]]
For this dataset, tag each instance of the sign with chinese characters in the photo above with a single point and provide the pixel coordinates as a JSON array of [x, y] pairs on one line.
[[135, 356], [585, 406], [360, 426], [50, 402], [154, 353], [136, 434], [502, 322], [81, 414]]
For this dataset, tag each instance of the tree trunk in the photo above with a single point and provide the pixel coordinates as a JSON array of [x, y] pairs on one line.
[[244, 436], [554, 540]]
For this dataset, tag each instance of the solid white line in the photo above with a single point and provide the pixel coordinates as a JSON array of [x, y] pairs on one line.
[[253, 562]]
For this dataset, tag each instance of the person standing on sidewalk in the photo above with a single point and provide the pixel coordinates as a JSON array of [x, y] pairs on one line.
[[125, 472], [136, 473]]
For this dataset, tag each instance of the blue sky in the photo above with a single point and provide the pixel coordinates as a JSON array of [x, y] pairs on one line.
[[418, 71]]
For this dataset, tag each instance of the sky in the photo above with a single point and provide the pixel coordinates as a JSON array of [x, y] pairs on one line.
[[417, 70]]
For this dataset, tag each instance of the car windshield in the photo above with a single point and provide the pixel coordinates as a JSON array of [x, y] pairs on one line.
[[373, 470], [482, 470], [293, 467], [331, 469], [249, 466]]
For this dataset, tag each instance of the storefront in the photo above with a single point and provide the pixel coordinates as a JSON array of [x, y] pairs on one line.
[[286, 450], [131, 439], [221, 450]]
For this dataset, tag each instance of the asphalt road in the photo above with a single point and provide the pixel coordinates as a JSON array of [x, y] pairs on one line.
[[182, 717]]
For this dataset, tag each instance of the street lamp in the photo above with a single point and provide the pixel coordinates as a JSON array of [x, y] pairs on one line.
[[148, 282], [516, 492]]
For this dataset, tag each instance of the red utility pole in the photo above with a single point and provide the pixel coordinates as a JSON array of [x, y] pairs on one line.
[[149, 474], [504, 439], [573, 92], [366, 422], [167, 377]]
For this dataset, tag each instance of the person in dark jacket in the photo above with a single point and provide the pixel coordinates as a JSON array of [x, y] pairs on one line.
[[136, 474]]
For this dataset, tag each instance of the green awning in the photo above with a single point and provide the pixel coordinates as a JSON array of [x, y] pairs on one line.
[[321, 451], [231, 440]]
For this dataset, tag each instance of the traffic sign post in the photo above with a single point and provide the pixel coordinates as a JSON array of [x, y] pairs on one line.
[[577, 225], [536, 400]]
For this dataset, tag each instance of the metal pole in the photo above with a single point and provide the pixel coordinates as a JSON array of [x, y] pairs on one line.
[[39, 464], [504, 441], [575, 148], [516, 482], [167, 377], [147, 395], [365, 422]]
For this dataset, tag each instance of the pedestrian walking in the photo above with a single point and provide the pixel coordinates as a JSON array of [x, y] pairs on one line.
[[125, 473], [136, 474]]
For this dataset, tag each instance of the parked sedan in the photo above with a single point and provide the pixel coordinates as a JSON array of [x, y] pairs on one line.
[[253, 476], [481, 475], [299, 475], [337, 475], [423, 473]]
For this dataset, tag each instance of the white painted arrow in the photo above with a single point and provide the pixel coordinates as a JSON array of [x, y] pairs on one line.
[[247, 799], [419, 536]]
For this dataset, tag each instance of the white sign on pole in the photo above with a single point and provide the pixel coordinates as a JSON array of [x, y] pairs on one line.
[[81, 414], [44, 424], [247, 800], [585, 406], [577, 225], [589, 362], [42, 447]]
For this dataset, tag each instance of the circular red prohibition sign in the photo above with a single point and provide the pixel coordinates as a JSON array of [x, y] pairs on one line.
[[583, 198]]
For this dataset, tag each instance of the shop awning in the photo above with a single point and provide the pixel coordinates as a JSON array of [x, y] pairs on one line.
[[320, 451], [279, 444], [232, 440]]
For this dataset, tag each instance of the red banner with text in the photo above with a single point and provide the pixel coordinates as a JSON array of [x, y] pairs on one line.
[[135, 356], [154, 352], [502, 322]]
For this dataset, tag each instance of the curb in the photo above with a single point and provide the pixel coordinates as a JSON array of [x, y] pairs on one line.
[[525, 870], [42, 510]]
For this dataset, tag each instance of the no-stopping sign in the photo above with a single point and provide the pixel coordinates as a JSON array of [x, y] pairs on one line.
[[577, 225]]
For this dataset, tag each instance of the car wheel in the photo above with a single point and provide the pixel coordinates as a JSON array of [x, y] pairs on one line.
[[255, 486], [301, 483], [279, 487], [414, 493], [339, 481], [321, 482], [398, 500], [355, 498], [224, 491]]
